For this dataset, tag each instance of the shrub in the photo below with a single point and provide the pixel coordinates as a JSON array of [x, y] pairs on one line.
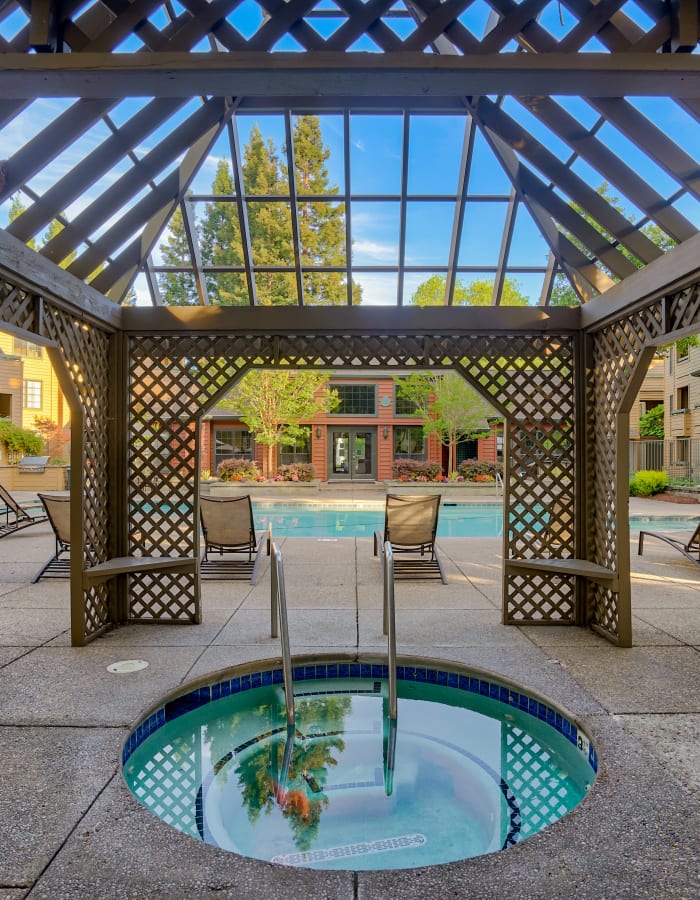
[[238, 470], [646, 482], [479, 470], [296, 472], [416, 470], [18, 441]]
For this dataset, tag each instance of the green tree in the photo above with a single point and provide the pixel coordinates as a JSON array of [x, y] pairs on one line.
[[321, 222], [449, 407], [220, 242], [177, 288], [269, 221], [651, 424], [477, 293], [273, 404]]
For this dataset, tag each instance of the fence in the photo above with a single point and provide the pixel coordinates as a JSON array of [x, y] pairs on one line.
[[679, 458]]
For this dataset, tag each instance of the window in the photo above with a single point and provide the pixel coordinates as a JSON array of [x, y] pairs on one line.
[[355, 399], [32, 394], [683, 401], [232, 443], [296, 449], [409, 442], [26, 348], [403, 406]]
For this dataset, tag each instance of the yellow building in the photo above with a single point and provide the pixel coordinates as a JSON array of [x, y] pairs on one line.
[[29, 388]]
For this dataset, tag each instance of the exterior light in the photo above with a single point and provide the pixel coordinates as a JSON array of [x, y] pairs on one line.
[[385, 432], [318, 431]]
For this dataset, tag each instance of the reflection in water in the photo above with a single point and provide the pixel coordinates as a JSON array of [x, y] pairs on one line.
[[465, 781], [299, 793]]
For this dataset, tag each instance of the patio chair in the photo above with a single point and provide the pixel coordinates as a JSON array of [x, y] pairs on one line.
[[15, 517], [58, 513], [689, 547], [231, 547], [410, 525]]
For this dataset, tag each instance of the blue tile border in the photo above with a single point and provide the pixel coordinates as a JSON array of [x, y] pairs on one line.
[[493, 690]]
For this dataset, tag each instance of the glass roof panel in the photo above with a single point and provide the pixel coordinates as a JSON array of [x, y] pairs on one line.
[[375, 229], [528, 247], [435, 150], [375, 154], [227, 289], [378, 288], [276, 289], [482, 233], [428, 246], [487, 175]]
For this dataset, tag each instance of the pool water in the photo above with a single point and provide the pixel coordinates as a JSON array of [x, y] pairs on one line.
[[455, 520], [472, 775]]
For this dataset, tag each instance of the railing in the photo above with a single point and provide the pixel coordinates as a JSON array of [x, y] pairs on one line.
[[390, 630], [279, 626], [678, 458]]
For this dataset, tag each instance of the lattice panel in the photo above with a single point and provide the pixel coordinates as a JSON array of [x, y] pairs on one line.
[[383, 26], [85, 350], [536, 598], [530, 376], [17, 306], [616, 350]]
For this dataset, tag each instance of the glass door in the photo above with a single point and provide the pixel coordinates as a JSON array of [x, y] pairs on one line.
[[353, 454]]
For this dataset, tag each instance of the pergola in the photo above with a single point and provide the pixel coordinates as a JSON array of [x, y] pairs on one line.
[[111, 111]]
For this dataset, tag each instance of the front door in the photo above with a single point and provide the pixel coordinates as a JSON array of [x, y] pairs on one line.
[[353, 454]]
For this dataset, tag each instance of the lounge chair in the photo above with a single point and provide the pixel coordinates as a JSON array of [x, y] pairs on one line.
[[410, 525], [229, 534], [14, 517], [684, 546], [58, 514]]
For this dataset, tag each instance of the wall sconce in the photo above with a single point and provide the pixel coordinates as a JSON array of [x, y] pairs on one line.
[[318, 431], [385, 432]]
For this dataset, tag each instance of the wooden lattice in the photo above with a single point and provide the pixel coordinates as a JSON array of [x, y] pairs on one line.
[[531, 378]]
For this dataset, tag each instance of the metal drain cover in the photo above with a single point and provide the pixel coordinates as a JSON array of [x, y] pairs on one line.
[[127, 665]]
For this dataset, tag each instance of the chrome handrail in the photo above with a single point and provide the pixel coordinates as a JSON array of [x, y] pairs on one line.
[[278, 610], [390, 625]]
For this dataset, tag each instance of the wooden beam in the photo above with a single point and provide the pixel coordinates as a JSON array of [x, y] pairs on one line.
[[40, 276], [352, 76], [405, 320]]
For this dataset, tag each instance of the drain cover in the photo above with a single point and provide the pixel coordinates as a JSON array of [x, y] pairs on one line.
[[127, 665]]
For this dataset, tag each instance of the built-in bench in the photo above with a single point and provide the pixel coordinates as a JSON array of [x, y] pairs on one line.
[[580, 567], [134, 565]]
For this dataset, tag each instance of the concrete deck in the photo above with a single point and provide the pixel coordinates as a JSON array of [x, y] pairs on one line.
[[70, 828]]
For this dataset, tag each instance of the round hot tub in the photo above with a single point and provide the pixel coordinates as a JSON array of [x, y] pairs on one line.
[[472, 764]]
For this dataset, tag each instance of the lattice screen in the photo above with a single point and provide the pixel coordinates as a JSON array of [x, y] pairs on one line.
[[531, 378]]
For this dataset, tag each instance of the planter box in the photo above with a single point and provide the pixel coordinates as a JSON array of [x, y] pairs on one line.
[[53, 478], [268, 490], [451, 491]]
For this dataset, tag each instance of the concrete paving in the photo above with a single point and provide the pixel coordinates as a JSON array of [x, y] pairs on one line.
[[70, 828]]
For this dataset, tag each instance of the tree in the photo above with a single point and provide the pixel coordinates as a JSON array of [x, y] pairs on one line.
[[177, 288], [321, 222], [477, 293], [450, 408], [651, 424], [273, 404], [221, 242]]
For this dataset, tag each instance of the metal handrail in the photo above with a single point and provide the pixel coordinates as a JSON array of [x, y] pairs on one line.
[[278, 612], [390, 625]]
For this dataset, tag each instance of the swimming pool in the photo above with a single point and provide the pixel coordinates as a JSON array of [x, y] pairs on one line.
[[326, 520]]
